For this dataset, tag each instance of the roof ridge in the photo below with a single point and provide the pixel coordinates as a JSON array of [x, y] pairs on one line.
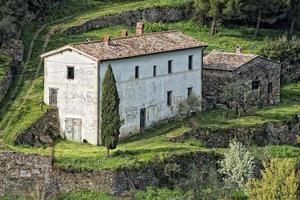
[[233, 53], [133, 36]]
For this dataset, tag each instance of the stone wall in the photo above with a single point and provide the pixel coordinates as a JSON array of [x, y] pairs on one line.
[[5, 82], [290, 73], [41, 132], [261, 135], [129, 18], [34, 176], [217, 84]]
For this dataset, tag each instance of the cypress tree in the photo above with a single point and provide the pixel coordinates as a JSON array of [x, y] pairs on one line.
[[110, 126]]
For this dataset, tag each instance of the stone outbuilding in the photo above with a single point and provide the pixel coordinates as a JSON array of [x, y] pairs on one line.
[[252, 78]]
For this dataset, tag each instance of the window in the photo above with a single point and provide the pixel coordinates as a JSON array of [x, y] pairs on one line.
[[154, 70], [190, 91], [137, 72], [70, 73], [190, 62], [270, 88], [255, 85], [169, 96], [170, 66]]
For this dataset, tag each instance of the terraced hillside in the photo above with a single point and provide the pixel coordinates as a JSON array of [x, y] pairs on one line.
[[23, 104]]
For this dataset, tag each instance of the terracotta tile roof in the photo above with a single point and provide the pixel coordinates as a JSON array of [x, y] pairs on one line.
[[226, 61], [138, 45]]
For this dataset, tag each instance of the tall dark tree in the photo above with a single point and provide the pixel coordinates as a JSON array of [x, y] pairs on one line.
[[294, 14], [266, 11], [217, 10], [110, 126]]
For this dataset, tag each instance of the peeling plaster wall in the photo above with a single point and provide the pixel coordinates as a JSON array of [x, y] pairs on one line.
[[151, 92], [76, 98]]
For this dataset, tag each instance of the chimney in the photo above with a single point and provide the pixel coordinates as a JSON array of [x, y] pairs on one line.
[[239, 49], [124, 33], [139, 28], [106, 41]]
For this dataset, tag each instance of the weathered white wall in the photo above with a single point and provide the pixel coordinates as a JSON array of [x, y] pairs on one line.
[[151, 92], [76, 98]]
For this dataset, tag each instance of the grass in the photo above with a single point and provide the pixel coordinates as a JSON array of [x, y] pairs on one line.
[[87, 196], [4, 65]]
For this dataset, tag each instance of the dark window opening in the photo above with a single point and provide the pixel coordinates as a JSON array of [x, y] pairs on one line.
[[190, 91], [154, 71], [169, 100], [137, 72], [255, 85], [170, 66], [270, 88], [190, 62], [71, 73]]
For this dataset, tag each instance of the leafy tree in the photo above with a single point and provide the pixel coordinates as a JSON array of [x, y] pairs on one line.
[[282, 49], [217, 10], [294, 13], [278, 181], [188, 107], [238, 165], [267, 11], [110, 127]]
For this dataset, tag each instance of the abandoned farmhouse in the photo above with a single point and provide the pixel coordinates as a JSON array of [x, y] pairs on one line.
[[227, 73], [154, 72]]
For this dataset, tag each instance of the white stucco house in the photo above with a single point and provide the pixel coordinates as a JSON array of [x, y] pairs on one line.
[[153, 72]]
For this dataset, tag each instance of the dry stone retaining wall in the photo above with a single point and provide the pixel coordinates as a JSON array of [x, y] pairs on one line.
[[261, 135], [41, 132], [34, 175], [156, 14]]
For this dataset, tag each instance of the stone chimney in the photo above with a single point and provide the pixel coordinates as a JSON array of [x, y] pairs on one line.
[[124, 33], [106, 40], [239, 49], [139, 28]]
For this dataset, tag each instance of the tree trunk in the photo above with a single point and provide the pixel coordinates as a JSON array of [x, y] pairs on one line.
[[292, 27], [108, 153], [213, 26], [258, 23]]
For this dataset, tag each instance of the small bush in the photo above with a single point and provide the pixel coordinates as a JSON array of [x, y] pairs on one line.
[[278, 181], [282, 49], [154, 27], [238, 165]]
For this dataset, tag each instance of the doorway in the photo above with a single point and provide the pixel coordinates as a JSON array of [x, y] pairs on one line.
[[73, 129], [53, 96], [142, 119]]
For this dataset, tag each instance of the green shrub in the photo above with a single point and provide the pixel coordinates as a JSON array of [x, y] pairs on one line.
[[282, 49], [238, 165], [154, 27], [278, 181]]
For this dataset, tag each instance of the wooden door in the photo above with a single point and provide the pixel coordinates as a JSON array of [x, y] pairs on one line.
[[73, 129]]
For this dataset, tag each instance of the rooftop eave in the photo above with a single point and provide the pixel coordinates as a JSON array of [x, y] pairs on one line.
[[65, 48]]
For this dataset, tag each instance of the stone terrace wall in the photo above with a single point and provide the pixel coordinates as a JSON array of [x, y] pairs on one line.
[[34, 176], [5, 82], [156, 14], [261, 135], [41, 132]]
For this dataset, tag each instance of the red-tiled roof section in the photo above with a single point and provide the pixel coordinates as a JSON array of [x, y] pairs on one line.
[[226, 61], [139, 45]]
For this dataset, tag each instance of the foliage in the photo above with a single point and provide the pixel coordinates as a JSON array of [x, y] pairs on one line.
[[110, 116], [217, 10], [240, 97], [4, 65], [238, 165], [85, 195], [154, 27], [189, 106], [278, 181], [282, 49]]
